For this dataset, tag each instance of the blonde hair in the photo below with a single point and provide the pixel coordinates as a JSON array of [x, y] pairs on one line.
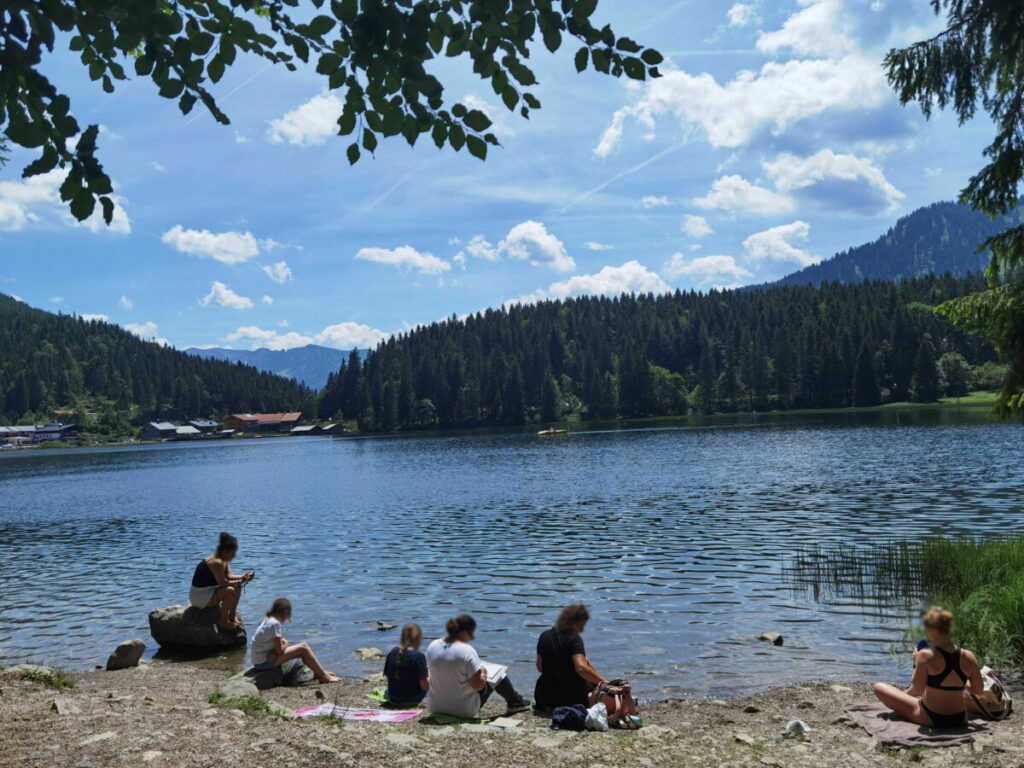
[[938, 618], [410, 640]]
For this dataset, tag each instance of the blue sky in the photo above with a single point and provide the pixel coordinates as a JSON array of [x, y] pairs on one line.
[[772, 142]]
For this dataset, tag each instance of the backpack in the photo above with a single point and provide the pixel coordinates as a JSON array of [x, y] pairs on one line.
[[617, 696], [572, 718], [994, 703]]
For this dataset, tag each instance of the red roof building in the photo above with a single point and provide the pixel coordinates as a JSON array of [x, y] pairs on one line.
[[262, 422]]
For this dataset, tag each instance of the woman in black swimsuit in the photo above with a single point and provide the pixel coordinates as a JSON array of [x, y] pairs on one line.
[[214, 584], [941, 673]]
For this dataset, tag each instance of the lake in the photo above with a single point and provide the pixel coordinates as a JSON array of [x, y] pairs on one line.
[[677, 536]]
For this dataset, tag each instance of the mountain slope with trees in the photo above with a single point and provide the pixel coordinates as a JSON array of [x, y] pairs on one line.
[[938, 238], [833, 345], [59, 361], [311, 364]]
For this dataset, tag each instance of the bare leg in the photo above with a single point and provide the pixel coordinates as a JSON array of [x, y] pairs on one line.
[[902, 703], [304, 652], [227, 599]]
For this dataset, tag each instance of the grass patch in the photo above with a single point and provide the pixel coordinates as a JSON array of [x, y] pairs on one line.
[[254, 704], [980, 580], [56, 680]]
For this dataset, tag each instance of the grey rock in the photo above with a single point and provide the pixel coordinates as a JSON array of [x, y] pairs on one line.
[[384, 626], [281, 711], [547, 742], [126, 655], [150, 755], [805, 705], [62, 705], [180, 626], [98, 737], [744, 738], [369, 654], [264, 679], [750, 709], [237, 689], [771, 637]]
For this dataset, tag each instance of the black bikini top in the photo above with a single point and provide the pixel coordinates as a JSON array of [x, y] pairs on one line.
[[952, 665]]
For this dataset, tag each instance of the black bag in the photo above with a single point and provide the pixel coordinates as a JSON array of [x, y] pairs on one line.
[[572, 718]]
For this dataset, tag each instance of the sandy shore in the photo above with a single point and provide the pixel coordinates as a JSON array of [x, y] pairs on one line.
[[159, 715]]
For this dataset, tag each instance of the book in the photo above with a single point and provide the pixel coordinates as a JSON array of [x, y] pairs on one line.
[[495, 672]]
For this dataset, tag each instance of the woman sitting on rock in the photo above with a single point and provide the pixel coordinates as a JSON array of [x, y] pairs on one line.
[[270, 649], [213, 584], [406, 668], [941, 673], [566, 674]]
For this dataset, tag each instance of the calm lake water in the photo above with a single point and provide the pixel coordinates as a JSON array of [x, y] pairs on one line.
[[677, 536]]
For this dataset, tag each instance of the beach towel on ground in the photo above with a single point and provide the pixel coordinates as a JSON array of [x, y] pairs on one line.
[[894, 731], [381, 695], [352, 713]]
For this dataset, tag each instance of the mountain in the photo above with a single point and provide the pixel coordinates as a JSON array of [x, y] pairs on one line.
[[52, 361], [310, 364], [799, 346], [939, 238]]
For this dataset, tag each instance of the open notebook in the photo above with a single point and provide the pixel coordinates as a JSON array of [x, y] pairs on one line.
[[495, 672]]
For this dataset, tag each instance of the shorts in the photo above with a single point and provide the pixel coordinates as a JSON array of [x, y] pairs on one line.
[[199, 597]]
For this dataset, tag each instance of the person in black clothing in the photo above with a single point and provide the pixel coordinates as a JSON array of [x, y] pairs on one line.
[[214, 584], [566, 674], [406, 668]]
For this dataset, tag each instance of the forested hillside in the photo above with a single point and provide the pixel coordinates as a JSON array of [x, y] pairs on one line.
[[311, 364], [59, 361], [787, 347], [930, 241]]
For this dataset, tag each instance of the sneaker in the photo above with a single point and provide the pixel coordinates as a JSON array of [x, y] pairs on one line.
[[522, 705]]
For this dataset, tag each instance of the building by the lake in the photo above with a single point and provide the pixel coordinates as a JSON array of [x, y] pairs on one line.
[[263, 422]]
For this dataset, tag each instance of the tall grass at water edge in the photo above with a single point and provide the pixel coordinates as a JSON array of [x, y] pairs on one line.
[[981, 580]]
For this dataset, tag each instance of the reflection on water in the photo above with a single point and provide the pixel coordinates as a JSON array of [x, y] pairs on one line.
[[677, 537]]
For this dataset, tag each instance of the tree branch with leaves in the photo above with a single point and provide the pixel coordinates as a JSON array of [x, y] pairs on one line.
[[374, 53]]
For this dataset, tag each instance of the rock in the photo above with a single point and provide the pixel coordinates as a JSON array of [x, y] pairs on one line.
[[281, 711], [98, 737], [750, 709], [369, 654], [262, 743], [237, 689], [39, 756], [62, 705], [384, 626], [180, 626], [743, 738], [546, 742], [265, 679], [151, 755], [126, 655], [771, 637], [319, 694], [805, 705]]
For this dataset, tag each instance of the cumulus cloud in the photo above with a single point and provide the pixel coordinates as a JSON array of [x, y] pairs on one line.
[[339, 336], [309, 123], [225, 247], [738, 196], [820, 29], [279, 272], [531, 241], [696, 226], [268, 300], [90, 318], [707, 267], [790, 173], [406, 257], [36, 200], [125, 303], [479, 248], [631, 277], [777, 244], [223, 296], [740, 14], [147, 331], [594, 246], [651, 201]]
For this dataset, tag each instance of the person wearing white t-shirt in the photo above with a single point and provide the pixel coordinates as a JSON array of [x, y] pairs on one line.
[[458, 679], [270, 649]]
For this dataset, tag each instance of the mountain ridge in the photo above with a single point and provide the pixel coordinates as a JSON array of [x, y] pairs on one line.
[[310, 364]]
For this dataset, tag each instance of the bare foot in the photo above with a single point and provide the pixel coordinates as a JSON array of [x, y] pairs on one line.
[[330, 679]]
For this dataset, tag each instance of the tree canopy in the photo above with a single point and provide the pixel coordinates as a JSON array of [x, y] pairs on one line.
[[375, 53], [977, 62]]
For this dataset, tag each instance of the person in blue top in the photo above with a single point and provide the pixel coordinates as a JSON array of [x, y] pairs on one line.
[[406, 668]]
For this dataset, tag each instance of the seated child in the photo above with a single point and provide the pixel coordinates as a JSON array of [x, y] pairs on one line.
[[406, 668]]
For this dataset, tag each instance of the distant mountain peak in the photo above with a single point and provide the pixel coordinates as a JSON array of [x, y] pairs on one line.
[[311, 364]]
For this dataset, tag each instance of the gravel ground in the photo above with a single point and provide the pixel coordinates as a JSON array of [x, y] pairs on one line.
[[159, 715]]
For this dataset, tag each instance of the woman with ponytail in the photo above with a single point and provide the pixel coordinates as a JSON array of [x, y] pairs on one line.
[[213, 584], [406, 668]]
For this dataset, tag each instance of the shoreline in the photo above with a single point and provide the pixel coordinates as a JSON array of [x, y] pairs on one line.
[[160, 715]]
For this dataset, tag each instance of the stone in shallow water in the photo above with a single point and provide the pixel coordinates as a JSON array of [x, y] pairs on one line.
[[369, 654], [771, 637], [180, 626], [126, 655]]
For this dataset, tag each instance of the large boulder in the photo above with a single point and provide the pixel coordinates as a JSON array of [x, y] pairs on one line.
[[180, 626], [126, 655]]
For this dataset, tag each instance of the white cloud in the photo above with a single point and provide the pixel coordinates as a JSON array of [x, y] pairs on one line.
[[696, 226], [820, 29], [225, 247], [501, 126], [37, 198], [405, 256], [707, 267], [279, 272], [308, 124], [631, 277], [932, 172], [776, 244], [283, 324], [460, 259], [223, 296], [157, 166], [650, 201], [268, 300], [740, 14], [479, 248], [738, 196], [125, 303], [56, 299], [790, 173], [531, 241], [90, 318], [240, 138], [147, 331], [595, 246], [340, 336]]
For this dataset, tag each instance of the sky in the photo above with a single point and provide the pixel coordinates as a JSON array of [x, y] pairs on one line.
[[771, 142]]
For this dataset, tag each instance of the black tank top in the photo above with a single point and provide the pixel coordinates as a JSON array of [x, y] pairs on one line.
[[203, 576], [952, 660]]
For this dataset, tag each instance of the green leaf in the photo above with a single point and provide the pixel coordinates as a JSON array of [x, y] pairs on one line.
[[582, 57], [45, 163], [477, 121], [456, 137], [347, 122], [627, 45], [321, 25], [459, 110], [108, 209], [510, 96], [77, 43], [215, 69], [635, 68], [651, 57], [82, 205], [23, 132], [552, 39], [439, 134], [532, 101], [602, 61], [369, 140], [328, 63], [584, 8], [477, 147], [186, 102], [353, 154]]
